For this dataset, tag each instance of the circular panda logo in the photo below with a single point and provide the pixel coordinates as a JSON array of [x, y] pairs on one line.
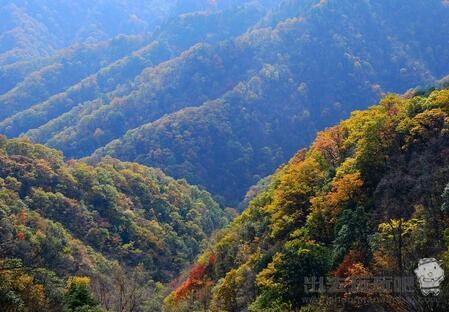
[[430, 274]]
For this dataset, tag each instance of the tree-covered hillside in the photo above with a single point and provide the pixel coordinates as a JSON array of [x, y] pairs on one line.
[[119, 224], [209, 93], [153, 155], [62, 71], [42, 90], [298, 77], [369, 198], [39, 28]]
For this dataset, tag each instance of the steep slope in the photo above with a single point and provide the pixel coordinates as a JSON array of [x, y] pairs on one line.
[[306, 73], [64, 70], [74, 219], [302, 66], [188, 80], [14, 15], [370, 197], [121, 77], [40, 28]]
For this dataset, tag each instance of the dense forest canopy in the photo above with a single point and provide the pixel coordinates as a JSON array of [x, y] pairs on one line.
[[215, 155], [209, 93], [59, 220], [294, 87], [370, 197], [39, 28]]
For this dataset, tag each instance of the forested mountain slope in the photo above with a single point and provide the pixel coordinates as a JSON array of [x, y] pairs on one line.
[[65, 70], [95, 74], [13, 73], [115, 223], [212, 93], [306, 73], [370, 197], [38, 28], [134, 95]]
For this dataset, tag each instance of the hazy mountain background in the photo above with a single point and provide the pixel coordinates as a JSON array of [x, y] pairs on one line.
[[40, 28], [207, 90]]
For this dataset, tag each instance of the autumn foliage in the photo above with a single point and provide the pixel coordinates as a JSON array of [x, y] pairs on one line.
[[369, 198], [199, 277]]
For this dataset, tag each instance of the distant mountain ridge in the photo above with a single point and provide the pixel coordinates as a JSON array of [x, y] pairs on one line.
[[40, 28], [116, 78], [302, 85], [256, 69]]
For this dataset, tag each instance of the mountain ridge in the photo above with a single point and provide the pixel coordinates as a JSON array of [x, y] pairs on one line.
[[334, 211], [327, 101]]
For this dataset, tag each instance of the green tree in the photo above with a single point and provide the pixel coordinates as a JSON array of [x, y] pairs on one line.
[[78, 297], [283, 279], [352, 231]]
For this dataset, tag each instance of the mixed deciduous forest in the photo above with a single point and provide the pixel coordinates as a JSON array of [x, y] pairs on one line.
[[369, 197], [109, 222], [209, 93], [216, 155]]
